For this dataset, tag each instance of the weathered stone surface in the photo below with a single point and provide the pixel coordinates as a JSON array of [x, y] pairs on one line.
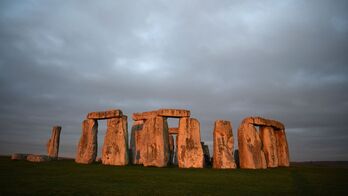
[[223, 145], [174, 113], [269, 146], [87, 147], [38, 158], [53, 142], [154, 150], [259, 121], [136, 141], [190, 153], [105, 114], [144, 115], [251, 155], [173, 130], [282, 148], [171, 148], [115, 147], [17, 156]]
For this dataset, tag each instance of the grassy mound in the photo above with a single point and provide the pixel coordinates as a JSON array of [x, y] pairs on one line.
[[67, 177]]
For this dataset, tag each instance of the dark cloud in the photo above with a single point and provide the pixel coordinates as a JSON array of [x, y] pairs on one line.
[[222, 60]]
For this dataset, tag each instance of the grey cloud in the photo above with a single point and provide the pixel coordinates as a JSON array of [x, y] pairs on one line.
[[222, 60]]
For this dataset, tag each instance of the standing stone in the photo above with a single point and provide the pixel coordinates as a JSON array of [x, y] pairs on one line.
[[171, 148], [282, 148], [154, 149], [223, 145], [53, 142], [87, 147], [190, 153], [251, 155], [269, 145], [115, 147], [136, 141]]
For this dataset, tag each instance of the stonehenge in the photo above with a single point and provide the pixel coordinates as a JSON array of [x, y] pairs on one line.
[[115, 148], [262, 143], [267, 147], [152, 142], [53, 142], [223, 145]]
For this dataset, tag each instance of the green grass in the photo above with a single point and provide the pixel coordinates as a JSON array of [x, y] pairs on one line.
[[66, 177]]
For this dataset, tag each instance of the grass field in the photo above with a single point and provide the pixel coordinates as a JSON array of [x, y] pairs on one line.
[[65, 177]]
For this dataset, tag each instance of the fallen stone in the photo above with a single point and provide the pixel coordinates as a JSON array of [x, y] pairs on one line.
[[87, 147], [105, 114], [190, 152], [18, 156], [251, 155], [115, 147], [38, 158], [269, 146], [223, 145], [282, 148], [53, 142]]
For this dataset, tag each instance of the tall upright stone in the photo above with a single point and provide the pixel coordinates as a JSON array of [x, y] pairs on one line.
[[171, 148], [282, 148], [251, 155], [269, 145], [87, 147], [136, 141], [154, 142], [115, 147], [223, 145], [53, 142], [190, 152]]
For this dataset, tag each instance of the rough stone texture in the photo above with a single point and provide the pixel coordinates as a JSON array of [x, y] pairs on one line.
[[190, 153], [115, 147], [105, 114], [144, 115], [154, 147], [259, 121], [38, 158], [17, 156], [87, 147], [223, 145], [282, 148], [174, 113], [136, 141], [53, 142], [171, 148], [173, 130], [251, 155], [269, 146]]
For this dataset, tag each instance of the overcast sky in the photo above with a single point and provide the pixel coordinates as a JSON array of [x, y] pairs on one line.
[[284, 60]]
